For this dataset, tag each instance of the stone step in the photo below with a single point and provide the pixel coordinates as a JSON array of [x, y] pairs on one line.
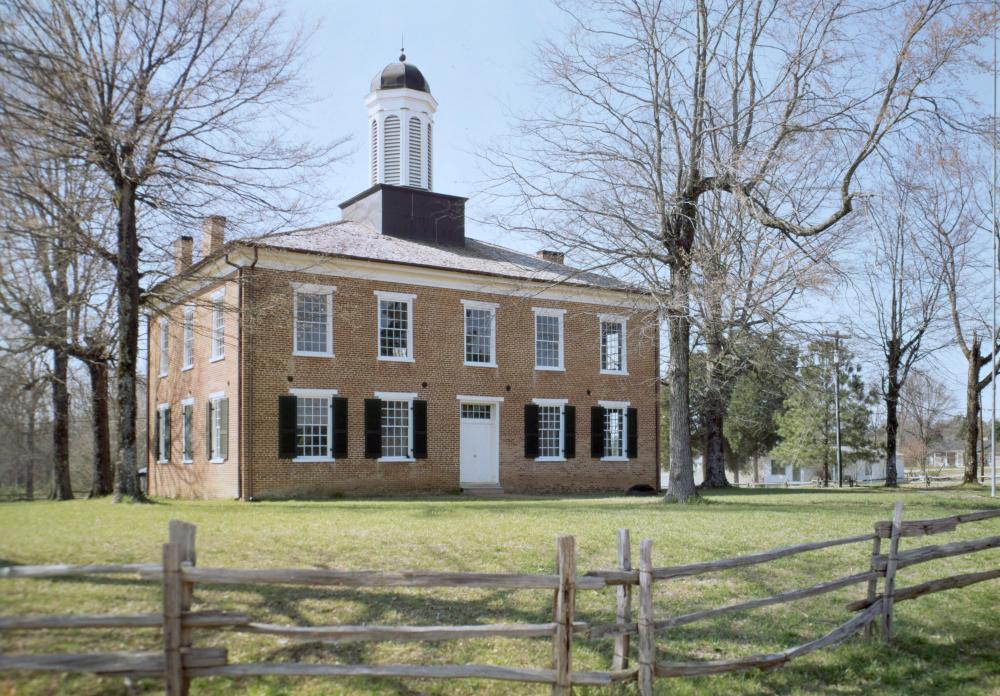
[[485, 489]]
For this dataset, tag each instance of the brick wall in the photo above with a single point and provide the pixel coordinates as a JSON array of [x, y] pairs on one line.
[[437, 376], [200, 478]]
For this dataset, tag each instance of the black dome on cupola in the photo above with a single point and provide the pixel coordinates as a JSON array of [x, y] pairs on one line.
[[401, 75]]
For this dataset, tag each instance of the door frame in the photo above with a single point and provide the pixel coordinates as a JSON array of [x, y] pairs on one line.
[[495, 402]]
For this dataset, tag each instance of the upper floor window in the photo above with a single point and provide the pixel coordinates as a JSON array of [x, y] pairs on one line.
[[218, 327], [164, 347], [613, 351], [395, 326], [480, 333], [313, 320], [188, 339], [548, 338]]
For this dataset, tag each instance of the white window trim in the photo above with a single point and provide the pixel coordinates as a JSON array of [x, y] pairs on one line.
[[189, 401], [187, 361], [620, 319], [562, 426], [160, 445], [313, 289], [388, 296], [492, 307], [218, 298], [327, 394], [480, 399], [400, 396], [550, 312], [215, 398], [623, 406], [164, 338]]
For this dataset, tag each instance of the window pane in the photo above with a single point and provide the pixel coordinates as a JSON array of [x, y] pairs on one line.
[[187, 423], [312, 427], [311, 323], [395, 428], [393, 324], [550, 431], [614, 432], [777, 469], [546, 341], [218, 331], [188, 339], [611, 346], [164, 348], [477, 411], [478, 335]]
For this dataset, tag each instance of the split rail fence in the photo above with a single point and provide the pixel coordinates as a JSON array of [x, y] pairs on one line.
[[181, 660]]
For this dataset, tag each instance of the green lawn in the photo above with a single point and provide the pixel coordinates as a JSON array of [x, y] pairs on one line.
[[945, 643]]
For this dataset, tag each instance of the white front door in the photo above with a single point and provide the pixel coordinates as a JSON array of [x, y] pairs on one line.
[[479, 451]]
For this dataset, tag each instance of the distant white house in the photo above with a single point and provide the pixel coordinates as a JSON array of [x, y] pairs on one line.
[[776, 473]]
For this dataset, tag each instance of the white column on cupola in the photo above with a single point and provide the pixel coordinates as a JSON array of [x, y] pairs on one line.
[[400, 122]]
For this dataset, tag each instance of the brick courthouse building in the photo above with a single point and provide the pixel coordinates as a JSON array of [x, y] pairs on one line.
[[390, 354]]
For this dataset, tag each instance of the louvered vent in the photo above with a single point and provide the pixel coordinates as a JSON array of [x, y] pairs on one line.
[[374, 156], [391, 147], [415, 158], [430, 159]]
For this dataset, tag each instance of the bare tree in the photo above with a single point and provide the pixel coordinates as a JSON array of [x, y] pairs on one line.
[[954, 214], [23, 381], [168, 101], [903, 285], [925, 404], [655, 104]]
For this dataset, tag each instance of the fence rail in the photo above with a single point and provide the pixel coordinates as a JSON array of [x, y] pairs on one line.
[[180, 661]]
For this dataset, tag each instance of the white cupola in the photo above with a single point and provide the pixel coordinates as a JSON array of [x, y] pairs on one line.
[[400, 127]]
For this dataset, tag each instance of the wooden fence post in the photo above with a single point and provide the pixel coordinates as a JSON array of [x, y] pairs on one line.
[[562, 641], [889, 586], [173, 666], [183, 535], [623, 610], [873, 582], [647, 639]]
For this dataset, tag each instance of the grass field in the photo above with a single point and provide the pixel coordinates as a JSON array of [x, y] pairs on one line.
[[948, 643]]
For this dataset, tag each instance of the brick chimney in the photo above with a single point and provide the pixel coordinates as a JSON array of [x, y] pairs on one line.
[[183, 251], [213, 234], [552, 256]]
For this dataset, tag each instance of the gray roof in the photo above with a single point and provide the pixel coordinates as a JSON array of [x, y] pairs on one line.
[[358, 240]]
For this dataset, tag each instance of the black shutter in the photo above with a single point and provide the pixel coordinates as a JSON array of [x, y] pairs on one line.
[[223, 429], [633, 433], [156, 436], [597, 416], [166, 433], [288, 407], [208, 430], [531, 431], [338, 406], [373, 428], [420, 430], [569, 431]]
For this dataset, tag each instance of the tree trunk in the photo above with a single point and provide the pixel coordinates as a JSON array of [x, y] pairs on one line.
[[29, 473], [127, 287], [681, 486], [972, 412], [891, 420], [712, 421], [103, 481], [756, 470], [62, 488]]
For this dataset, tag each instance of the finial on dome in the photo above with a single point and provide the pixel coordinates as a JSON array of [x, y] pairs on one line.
[[402, 55]]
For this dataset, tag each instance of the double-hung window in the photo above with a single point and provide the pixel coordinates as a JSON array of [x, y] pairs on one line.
[[187, 428], [480, 333], [550, 430], [314, 424], [614, 359], [162, 435], [777, 469], [395, 326], [217, 434], [615, 430], [188, 339], [164, 347], [397, 433], [313, 320], [549, 338], [218, 327]]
